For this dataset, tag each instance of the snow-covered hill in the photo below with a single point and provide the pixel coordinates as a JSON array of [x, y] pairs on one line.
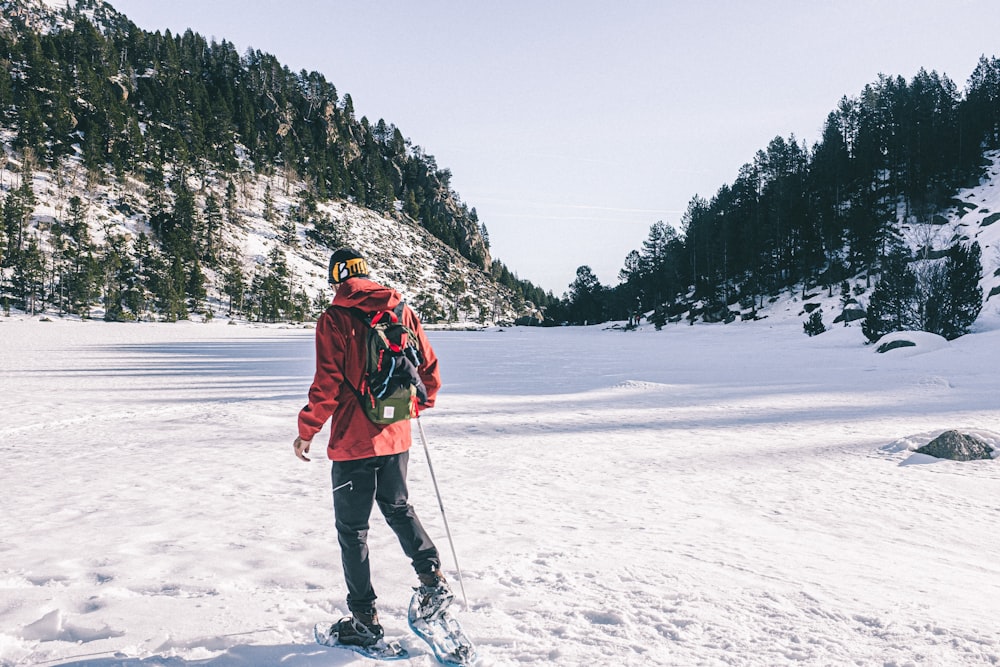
[[401, 253], [974, 216]]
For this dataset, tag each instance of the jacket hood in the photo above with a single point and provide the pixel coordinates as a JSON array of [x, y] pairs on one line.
[[366, 295]]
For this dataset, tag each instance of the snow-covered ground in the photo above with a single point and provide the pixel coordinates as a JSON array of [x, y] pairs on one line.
[[705, 495]]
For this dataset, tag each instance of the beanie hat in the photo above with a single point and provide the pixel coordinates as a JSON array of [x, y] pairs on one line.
[[346, 263]]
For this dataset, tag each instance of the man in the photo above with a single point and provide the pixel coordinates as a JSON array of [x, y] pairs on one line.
[[369, 460]]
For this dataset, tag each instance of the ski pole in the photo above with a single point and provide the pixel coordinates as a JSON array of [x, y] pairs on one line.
[[427, 453]]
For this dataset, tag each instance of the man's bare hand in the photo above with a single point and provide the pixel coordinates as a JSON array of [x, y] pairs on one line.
[[302, 448]]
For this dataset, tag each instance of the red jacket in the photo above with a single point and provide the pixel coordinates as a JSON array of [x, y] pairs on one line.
[[340, 358]]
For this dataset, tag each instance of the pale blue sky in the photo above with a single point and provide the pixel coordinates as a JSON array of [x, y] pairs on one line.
[[573, 126]]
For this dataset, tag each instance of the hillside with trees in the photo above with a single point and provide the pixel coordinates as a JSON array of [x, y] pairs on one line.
[[182, 132], [808, 217]]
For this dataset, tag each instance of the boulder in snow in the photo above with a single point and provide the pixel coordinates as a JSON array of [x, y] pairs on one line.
[[915, 342], [850, 314], [957, 446], [894, 345]]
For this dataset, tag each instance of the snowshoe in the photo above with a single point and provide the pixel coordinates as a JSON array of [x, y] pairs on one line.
[[443, 634], [355, 635]]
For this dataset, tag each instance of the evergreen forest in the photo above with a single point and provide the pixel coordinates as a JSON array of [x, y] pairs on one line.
[[814, 216]]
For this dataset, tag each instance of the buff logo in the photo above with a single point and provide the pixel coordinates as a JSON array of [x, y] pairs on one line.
[[352, 267]]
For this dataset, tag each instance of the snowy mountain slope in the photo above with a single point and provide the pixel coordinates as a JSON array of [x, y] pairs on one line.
[[975, 216], [712, 495], [974, 219], [400, 252]]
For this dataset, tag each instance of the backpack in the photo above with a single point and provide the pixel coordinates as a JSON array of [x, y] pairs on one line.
[[391, 385]]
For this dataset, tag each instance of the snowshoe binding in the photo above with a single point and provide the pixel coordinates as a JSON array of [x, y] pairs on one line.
[[431, 620], [433, 595], [362, 634]]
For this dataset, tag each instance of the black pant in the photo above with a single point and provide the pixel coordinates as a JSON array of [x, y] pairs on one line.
[[356, 485]]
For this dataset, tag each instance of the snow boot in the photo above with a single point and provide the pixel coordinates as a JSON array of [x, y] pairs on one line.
[[359, 629], [434, 595]]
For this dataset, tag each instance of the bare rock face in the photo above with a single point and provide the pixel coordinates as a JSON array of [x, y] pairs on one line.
[[957, 447], [851, 314], [895, 345]]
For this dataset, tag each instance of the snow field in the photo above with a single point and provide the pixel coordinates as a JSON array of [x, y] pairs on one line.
[[711, 495]]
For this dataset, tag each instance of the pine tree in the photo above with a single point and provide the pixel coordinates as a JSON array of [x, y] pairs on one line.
[[194, 287], [456, 290], [982, 108], [814, 325], [964, 295], [29, 274], [213, 226], [892, 306], [932, 295], [428, 308], [18, 207], [234, 285], [410, 206], [3, 240], [59, 266], [170, 295], [289, 233], [268, 204], [230, 203], [949, 297], [326, 231], [270, 289], [586, 297], [145, 273], [115, 264], [187, 238], [485, 233], [845, 295]]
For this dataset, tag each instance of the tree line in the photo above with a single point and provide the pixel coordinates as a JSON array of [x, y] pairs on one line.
[[135, 278], [813, 216]]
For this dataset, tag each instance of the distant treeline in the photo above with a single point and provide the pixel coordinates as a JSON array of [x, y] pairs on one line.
[[812, 216]]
